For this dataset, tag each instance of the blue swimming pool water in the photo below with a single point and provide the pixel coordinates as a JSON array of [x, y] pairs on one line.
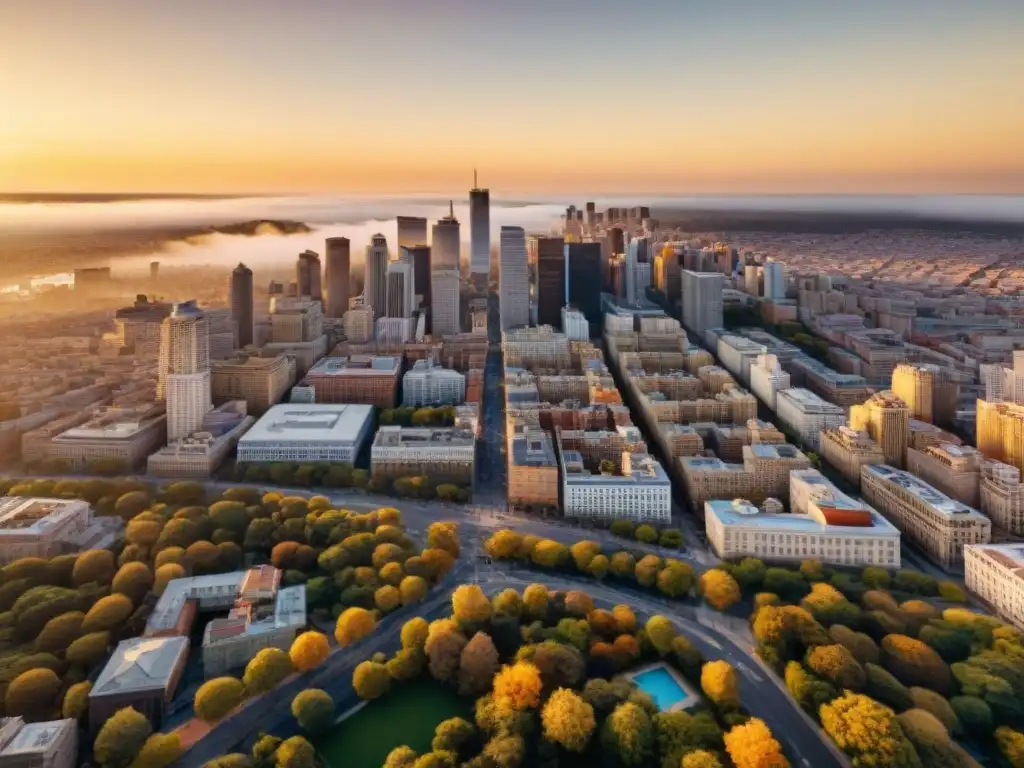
[[661, 686]]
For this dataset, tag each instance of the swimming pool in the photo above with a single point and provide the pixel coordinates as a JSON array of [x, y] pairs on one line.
[[665, 687]]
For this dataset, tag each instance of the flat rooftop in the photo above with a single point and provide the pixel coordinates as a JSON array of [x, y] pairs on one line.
[[111, 426], [20, 515], [774, 451], [179, 591], [406, 437], [309, 423], [736, 513], [806, 400], [532, 451], [935, 499], [37, 738], [356, 365]]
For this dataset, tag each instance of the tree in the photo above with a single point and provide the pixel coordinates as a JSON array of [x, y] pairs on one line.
[[560, 665], [470, 606], [914, 663], [159, 751], [875, 577], [295, 752], [1011, 745], [108, 613], [517, 687], [646, 534], [860, 645], [549, 554], [59, 632], [628, 734], [671, 538], [444, 535], [675, 579], [414, 633], [623, 528], [623, 565], [721, 685], [646, 571], [507, 603], [938, 707], [505, 751], [660, 631], [165, 574], [477, 665], [134, 580], [266, 670], [535, 601], [400, 757], [309, 650], [453, 735], [121, 738], [624, 618], [868, 732], [829, 606], [809, 691], [785, 583], [751, 745], [32, 693], [216, 697], [719, 589], [700, 758], [371, 680], [437, 561], [353, 625], [76, 700], [836, 664], [88, 650], [568, 720], [443, 647], [93, 565], [599, 566], [578, 604], [130, 504], [387, 598], [974, 714], [412, 589], [503, 544], [883, 687], [583, 552], [406, 664]]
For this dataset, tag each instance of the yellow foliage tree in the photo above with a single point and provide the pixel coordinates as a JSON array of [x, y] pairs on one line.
[[517, 687], [159, 751], [568, 720], [720, 683], [371, 680], [470, 605], [353, 625], [719, 589], [752, 745], [625, 618], [309, 650]]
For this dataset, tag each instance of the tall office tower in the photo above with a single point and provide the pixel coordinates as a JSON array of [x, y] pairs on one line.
[[550, 260], [702, 300], [774, 280], [400, 289], [582, 268], [513, 279], [241, 293], [184, 369], [479, 232], [339, 265], [915, 386], [445, 310], [154, 270], [444, 246], [591, 215], [419, 257], [617, 240], [612, 216], [887, 419], [412, 231], [307, 275], [375, 282]]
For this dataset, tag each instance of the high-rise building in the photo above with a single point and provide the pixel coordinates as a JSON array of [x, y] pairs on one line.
[[339, 264], [154, 270], [915, 385], [513, 279], [444, 247], [241, 293], [591, 215], [307, 275], [702, 301], [887, 419], [445, 309], [479, 230], [399, 289], [583, 265], [617, 240], [375, 283], [419, 257], [184, 369], [550, 259], [774, 280], [412, 232]]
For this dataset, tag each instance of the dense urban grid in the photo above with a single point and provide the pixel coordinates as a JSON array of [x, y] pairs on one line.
[[616, 493]]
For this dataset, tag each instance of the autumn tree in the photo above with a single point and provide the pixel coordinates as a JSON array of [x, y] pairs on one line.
[[309, 650], [503, 544], [859, 644], [88, 650], [216, 697], [751, 745], [700, 758], [158, 751], [412, 589], [1011, 745], [646, 570], [518, 687], [470, 606], [371, 680], [295, 752], [868, 732], [719, 589], [477, 665], [59, 632], [266, 670], [387, 598], [121, 738], [675, 579], [93, 565], [568, 720], [76, 700], [32, 693], [836, 664], [809, 691], [914, 663], [443, 647], [628, 734], [353, 625], [660, 631], [720, 683], [624, 618], [535, 601], [507, 603], [414, 633]]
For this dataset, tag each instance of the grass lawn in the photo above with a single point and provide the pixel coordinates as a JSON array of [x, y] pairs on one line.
[[406, 715]]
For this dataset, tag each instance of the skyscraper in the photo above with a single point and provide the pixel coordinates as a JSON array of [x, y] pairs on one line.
[[583, 270], [550, 261], [184, 369], [591, 215], [339, 265], [419, 257], [375, 281], [307, 275], [774, 280], [887, 419], [400, 289], [479, 232], [445, 309], [241, 293], [617, 240], [412, 231], [702, 300], [513, 279], [444, 251]]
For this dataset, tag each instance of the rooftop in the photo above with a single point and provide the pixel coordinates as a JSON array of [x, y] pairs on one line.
[[178, 591], [140, 664], [356, 365], [926, 493], [740, 512], [402, 437], [805, 400], [774, 451], [36, 738], [1010, 557], [310, 423], [114, 424], [21, 515]]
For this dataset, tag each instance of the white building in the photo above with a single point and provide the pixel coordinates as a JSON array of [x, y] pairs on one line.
[[392, 331], [738, 353], [479, 230], [430, 384], [807, 415], [767, 379], [184, 372], [835, 530], [32, 527], [774, 280], [575, 325], [702, 300], [445, 310], [513, 279], [308, 433], [202, 452], [993, 572], [642, 492]]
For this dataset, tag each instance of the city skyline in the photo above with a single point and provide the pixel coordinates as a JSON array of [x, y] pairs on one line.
[[750, 99]]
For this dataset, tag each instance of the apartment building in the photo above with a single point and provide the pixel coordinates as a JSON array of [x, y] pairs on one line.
[[767, 379], [260, 381], [807, 415], [953, 469], [356, 380], [1002, 496], [995, 574], [844, 389], [533, 480], [738, 353], [707, 478], [848, 450], [728, 440], [540, 347], [640, 491], [937, 524], [444, 455], [770, 465], [31, 527]]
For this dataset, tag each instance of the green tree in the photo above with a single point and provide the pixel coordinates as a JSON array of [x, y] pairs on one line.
[[313, 709], [875, 577], [938, 707], [883, 687], [217, 697], [809, 691], [453, 735], [121, 738], [661, 632], [628, 735], [646, 534], [974, 714]]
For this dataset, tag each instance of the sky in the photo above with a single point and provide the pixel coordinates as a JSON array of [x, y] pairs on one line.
[[543, 96]]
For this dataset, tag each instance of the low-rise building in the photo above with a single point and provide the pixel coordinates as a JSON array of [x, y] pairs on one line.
[[49, 744], [848, 450], [38, 527], [142, 673], [706, 478], [308, 433], [807, 415], [937, 524], [200, 454], [953, 469], [770, 464], [995, 574], [445, 455], [532, 470], [356, 380], [120, 437], [767, 379], [260, 381], [641, 491]]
